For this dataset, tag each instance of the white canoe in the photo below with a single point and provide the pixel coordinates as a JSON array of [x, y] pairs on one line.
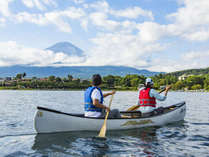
[[48, 120]]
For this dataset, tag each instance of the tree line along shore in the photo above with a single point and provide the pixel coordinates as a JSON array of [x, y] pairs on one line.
[[128, 82]]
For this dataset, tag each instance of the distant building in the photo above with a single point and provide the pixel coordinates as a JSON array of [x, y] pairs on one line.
[[2, 80], [183, 77], [8, 78]]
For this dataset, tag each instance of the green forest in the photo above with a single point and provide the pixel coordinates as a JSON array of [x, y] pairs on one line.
[[182, 80]]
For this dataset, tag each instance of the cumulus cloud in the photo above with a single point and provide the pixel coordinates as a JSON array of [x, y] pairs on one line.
[[102, 13], [39, 4], [192, 20], [11, 53], [151, 31], [99, 6], [54, 17], [100, 19], [118, 38], [132, 13], [4, 7], [187, 60], [2, 22], [121, 49], [201, 35], [195, 55], [78, 1]]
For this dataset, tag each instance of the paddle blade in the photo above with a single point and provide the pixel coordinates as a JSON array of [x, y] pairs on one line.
[[103, 131]]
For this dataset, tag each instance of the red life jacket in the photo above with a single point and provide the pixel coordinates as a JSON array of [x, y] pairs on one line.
[[145, 99]]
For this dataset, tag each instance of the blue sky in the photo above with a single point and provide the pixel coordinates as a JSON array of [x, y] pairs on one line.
[[157, 35]]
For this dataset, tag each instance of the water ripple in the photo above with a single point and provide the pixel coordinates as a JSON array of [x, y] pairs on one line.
[[18, 138]]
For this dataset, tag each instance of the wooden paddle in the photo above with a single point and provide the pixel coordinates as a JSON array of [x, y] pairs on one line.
[[104, 128], [135, 107]]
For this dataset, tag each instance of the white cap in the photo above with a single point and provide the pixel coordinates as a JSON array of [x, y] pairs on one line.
[[149, 80]]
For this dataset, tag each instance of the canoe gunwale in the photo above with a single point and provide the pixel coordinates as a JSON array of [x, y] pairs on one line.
[[176, 106]]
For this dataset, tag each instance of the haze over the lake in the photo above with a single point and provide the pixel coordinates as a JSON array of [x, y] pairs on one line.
[[156, 35]]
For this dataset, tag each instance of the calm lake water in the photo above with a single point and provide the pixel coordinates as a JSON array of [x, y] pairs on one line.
[[18, 137]]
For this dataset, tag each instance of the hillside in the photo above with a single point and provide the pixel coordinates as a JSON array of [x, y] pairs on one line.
[[75, 71], [191, 72]]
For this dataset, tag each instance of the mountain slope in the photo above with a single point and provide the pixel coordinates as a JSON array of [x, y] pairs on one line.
[[67, 48], [75, 71], [191, 72]]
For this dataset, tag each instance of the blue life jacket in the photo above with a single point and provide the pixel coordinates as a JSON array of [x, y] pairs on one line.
[[89, 102]]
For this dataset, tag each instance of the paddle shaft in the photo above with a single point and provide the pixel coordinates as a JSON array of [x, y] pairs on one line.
[[103, 129]]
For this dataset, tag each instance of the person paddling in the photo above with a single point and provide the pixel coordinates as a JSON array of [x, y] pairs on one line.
[[93, 98], [148, 96]]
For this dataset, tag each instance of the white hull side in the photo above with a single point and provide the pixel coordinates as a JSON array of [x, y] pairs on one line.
[[48, 122]]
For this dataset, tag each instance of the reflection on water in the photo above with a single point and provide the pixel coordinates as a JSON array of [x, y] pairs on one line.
[[128, 142], [70, 143], [151, 141]]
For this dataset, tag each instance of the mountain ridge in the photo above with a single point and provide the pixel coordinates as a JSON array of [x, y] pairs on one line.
[[84, 72], [67, 48], [198, 71]]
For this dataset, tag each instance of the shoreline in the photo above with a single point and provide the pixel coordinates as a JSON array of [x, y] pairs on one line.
[[80, 89]]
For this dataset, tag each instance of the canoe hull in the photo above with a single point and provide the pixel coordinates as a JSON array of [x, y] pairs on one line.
[[48, 121]]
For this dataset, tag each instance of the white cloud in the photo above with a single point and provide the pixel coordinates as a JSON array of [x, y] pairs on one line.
[[99, 6], [192, 20], [188, 60], [34, 3], [72, 13], [78, 1], [39, 4], [54, 17], [84, 24], [12, 53], [195, 55], [150, 31], [121, 49], [4, 7], [119, 39], [102, 15], [50, 2], [2, 22], [28, 3], [132, 13], [201, 35], [100, 19]]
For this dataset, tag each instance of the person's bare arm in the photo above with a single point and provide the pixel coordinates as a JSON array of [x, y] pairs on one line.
[[99, 105], [167, 89], [107, 94]]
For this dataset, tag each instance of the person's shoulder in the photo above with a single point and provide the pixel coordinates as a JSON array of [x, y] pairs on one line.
[[141, 88], [96, 90], [153, 92], [96, 93]]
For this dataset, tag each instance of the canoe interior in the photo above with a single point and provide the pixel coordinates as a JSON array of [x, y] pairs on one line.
[[125, 114]]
